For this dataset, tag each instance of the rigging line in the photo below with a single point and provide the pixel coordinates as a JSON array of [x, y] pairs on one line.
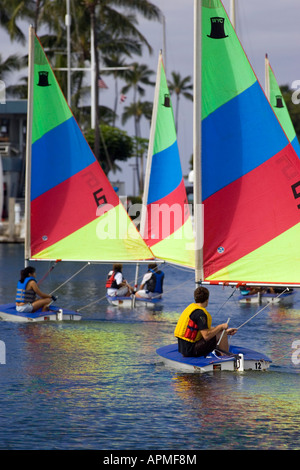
[[48, 272], [81, 269], [267, 305], [232, 293], [91, 303], [222, 334]]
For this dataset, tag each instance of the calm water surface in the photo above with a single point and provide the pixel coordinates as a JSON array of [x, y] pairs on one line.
[[98, 384]]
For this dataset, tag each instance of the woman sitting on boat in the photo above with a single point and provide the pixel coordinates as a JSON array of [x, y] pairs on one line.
[[196, 336], [116, 285], [152, 283], [27, 290]]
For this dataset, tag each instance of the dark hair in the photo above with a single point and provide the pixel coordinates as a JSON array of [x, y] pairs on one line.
[[118, 267], [152, 266], [201, 294], [26, 273]]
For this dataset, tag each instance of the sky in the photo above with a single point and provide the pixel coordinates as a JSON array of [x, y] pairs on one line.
[[263, 26]]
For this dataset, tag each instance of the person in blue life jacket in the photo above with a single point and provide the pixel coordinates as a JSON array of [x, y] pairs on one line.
[[194, 331], [152, 283], [116, 285], [27, 292]]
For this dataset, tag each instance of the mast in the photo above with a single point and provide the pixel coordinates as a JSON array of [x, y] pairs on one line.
[[27, 250], [198, 216]]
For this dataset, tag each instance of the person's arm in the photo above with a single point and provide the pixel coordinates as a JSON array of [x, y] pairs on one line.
[[211, 332], [33, 285]]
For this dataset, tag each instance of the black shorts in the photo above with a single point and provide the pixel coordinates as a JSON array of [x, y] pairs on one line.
[[203, 348]]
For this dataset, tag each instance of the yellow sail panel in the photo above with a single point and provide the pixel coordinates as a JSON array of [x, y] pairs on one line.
[[110, 237], [257, 265], [179, 247]]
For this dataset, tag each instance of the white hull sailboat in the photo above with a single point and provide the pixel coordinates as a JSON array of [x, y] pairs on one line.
[[8, 313]]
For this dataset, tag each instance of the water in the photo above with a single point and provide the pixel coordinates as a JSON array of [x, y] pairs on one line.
[[98, 383]]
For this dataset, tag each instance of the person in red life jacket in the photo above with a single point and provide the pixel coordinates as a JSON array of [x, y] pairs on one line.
[[116, 285], [152, 283], [27, 290], [194, 330]]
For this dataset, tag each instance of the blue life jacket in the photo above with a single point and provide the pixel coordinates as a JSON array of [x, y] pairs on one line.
[[24, 295], [155, 283]]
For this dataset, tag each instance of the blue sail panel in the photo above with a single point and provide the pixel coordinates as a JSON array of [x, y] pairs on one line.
[[232, 147]]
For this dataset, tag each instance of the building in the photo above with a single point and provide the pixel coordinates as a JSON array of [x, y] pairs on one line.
[[13, 117]]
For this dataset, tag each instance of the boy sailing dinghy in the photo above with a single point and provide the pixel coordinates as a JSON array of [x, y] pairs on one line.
[[72, 211], [247, 175]]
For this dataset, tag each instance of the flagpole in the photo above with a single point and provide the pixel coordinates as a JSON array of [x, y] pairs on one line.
[[93, 85], [267, 77], [68, 25], [232, 12]]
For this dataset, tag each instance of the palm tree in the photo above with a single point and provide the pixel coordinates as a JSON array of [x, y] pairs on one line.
[[104, 18], [180, 86], [138, 110], [10, 64], [138, 75], [9, 13], [113, 23]]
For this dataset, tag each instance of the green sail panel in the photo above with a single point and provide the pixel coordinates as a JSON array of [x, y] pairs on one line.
[[279, 106], [236, 75], [52, 104]]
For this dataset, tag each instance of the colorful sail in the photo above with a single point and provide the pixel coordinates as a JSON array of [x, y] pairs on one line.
[[75, 213], [166, 223], [278, 104], [250, 171]]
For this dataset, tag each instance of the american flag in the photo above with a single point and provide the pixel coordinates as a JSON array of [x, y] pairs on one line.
[[101, 83]]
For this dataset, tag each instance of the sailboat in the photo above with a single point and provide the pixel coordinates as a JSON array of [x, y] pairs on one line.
[[166, 224], [247, 175], [72, 211]]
